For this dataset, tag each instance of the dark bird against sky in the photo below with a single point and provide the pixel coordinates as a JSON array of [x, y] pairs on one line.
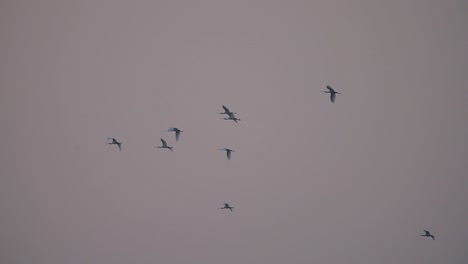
[[226, 206], [428, 234], [115, 142], [177, 132], [164, 145], [228, 152], [332, 93]]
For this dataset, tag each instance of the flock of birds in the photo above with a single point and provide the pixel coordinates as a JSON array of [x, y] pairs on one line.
[[231, 116]]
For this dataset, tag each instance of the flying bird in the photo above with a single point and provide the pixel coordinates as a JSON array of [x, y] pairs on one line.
[[228, 152], [226, 206], [428, 234], [164, 145], [232, 117], [177, 132], [332, 93], [226, 111], [115, 142]]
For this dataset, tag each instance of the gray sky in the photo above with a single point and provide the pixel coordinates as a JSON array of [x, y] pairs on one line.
[[353, 182]]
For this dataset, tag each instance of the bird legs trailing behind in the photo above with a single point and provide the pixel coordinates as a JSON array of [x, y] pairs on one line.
[[231, 117]]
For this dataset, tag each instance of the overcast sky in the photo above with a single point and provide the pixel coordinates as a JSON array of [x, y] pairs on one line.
[[354, 182]]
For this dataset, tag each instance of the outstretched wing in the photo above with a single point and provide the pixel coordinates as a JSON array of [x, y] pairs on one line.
[[330, 89], [177, 134], [332, 97], [226, 109], [172, 129], [164, 142], [120, 146], [228, 153]]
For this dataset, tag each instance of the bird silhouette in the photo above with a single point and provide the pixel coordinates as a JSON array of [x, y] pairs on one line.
[[228, 152], [177, 132], [332, 93], [115, 142], [428, 234], [164, 145], [226, 206]]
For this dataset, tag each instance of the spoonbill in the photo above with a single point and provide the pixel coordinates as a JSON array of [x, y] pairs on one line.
[[428, 234], [226, 206], [164, 145], [332, 93], [228, 152], [177, 132], [115, 142], [226, 111], [232, 117]]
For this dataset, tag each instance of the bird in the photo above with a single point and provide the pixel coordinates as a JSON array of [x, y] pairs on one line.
[[428, 234], [226, 111], [332, 93], [228, 152], [226, 206], [164, 145], [177, 132], [232, 117], [115, 142]]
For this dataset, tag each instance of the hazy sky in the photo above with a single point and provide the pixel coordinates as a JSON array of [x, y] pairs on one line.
[[354, 182]]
